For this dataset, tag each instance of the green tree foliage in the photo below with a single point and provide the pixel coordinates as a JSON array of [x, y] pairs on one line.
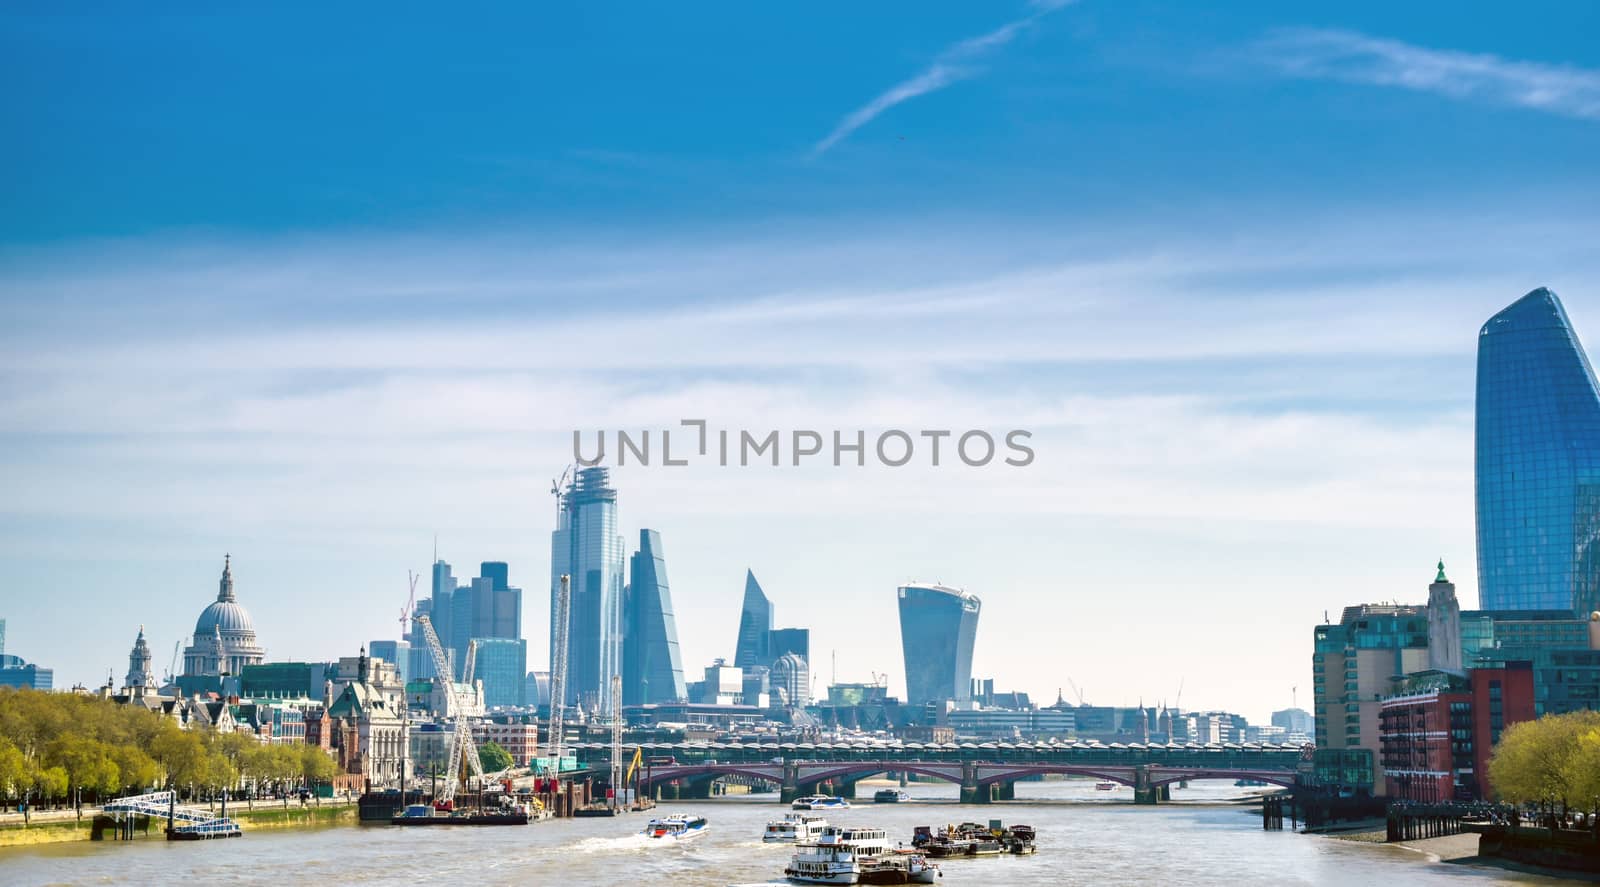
[[52, 744], [494, 758], [1555, 758]]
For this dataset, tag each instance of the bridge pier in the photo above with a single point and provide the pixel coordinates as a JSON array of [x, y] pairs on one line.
[[971, 791], [1144, 793], [790, 789], [845, 788], [1005, 791]]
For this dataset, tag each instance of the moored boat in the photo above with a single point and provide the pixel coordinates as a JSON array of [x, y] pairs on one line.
[[423, 814], [677, 827], [794, 828], [889, 796], [1105, 786], [820, 802], [973, 839]]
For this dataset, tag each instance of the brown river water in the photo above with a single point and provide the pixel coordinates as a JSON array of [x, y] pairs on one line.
[[1085, 837]]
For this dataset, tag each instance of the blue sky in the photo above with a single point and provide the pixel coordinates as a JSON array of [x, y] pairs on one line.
[[312, 286]]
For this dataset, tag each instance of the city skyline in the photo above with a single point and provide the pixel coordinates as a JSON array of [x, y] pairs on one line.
[[1228, 266]]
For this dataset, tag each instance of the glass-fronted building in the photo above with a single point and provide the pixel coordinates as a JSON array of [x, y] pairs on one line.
[[783, 641], [396, 652], [502, 665], [652, 669], [1538, 462], [586, 546], [755, 626], [938, 627], [15, 672]]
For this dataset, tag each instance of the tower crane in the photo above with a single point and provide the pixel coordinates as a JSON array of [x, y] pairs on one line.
[[558, 672], [1075, 689], [472, 662], [616, 740], [411, 605], [172, 667], [460, 742]]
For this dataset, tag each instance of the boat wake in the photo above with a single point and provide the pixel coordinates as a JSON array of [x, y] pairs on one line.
[[613, 845]]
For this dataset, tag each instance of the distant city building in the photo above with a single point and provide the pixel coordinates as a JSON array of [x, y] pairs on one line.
[[486, 607], [755, 625], [652, 667], [140, 678], [723, 685], [15, 672], [789, 681], [224, 640], [994, 723], [538, 689], [587, 547], [2, 635], [789, 640], [1538, 457], [502, 666], [1294, 720], [938, 627], [284, 680], [397, 652]]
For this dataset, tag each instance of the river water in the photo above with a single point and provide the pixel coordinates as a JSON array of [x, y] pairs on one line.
[[1085, 837]]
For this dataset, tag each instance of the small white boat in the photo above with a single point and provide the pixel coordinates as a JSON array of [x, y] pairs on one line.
[[794, 828], [820, 802], [677, 827]]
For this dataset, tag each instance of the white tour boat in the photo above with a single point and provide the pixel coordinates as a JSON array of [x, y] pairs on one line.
[[858, 856], [794, 828], [820, 802], [677, 827]]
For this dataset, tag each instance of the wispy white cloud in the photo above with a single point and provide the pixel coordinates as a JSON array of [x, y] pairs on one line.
[[958, 62], [1351, 56]]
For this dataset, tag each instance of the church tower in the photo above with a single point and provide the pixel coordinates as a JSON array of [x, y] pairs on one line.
[[140, 681]]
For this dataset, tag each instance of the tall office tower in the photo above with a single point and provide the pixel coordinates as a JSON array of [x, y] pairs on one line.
[[1538, 462], [502, 666], [789, 640], [755, 625], [938, 626], [652, 670], [439, 606], [501, 613], [396, 653], [585, 546], [461, 616]]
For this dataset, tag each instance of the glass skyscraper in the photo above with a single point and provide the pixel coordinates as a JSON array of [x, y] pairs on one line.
[[652, 669], [586, 547], [1538, 462], [938, 627], [755, 626], [502, 665]]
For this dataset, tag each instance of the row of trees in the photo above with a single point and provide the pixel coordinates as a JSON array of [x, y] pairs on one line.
[[1553, 759], [55, 744]]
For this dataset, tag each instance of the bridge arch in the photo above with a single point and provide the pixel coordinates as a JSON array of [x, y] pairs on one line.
[[1122, 777], [1167, 777]]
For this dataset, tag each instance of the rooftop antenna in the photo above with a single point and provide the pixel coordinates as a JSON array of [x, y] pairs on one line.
[[1294, 697], [834, 676]]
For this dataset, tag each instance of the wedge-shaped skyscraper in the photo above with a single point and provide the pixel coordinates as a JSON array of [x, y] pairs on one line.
[[652, 669], [755, 626], [1538, 462], [938, 627]]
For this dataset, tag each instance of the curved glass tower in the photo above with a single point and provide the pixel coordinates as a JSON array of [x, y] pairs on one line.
[[586, 547], [938, 626], [1538, 462]]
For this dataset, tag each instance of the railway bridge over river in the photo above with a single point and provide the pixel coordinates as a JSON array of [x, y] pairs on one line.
[[986, 772]]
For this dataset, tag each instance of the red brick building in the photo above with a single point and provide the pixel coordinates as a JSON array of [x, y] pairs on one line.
[[1435, 738]]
